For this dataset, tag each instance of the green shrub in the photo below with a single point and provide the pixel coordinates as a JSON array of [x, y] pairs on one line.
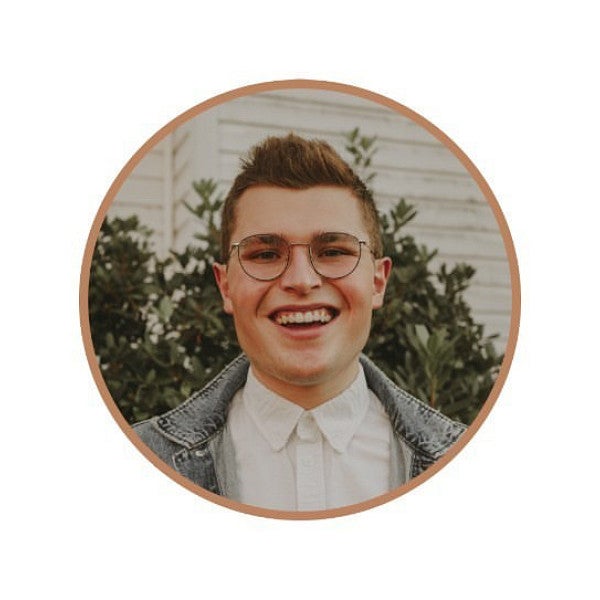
[[159, 331], [424, 337]]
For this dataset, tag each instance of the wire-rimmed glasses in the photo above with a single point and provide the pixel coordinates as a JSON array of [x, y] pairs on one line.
[[266, 256]]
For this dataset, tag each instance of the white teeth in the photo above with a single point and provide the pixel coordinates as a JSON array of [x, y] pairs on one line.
[[318, 315]]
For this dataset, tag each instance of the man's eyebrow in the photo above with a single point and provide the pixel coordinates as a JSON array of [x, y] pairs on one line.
[[329, 236], [267, 237]]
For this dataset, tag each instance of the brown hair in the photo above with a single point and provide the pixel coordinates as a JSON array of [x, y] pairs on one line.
[[296, 163]]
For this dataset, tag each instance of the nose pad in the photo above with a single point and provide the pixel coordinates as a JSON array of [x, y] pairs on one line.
[[300, 274]]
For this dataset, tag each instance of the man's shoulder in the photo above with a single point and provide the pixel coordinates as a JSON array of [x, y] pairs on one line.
[[199, 417], [426, 430], [154, 438]]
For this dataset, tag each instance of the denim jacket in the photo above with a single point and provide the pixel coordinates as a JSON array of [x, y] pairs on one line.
[[194, 438]]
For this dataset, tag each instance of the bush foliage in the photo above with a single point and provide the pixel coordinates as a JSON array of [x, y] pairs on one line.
[[159, 331]]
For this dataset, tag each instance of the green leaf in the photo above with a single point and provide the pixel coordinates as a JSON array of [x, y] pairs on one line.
[[422, 334], [165, 309]]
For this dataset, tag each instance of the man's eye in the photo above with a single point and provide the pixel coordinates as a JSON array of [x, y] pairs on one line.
[[334, 252], [265, 256]]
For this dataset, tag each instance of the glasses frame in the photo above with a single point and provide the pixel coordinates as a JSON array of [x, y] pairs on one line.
[[236, 246]]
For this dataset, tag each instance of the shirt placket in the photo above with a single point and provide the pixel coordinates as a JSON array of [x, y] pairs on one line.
[[310, 476]]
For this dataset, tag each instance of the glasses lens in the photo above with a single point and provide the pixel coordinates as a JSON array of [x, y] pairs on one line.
[[263, 256], [335, 255]]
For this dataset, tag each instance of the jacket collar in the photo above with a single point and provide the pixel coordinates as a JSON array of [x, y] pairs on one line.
[[204, 414], [423, 428]]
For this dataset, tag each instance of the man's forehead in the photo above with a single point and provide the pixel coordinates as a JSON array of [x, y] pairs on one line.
[[307, 211]]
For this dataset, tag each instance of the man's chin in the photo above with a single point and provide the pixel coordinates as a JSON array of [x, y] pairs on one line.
[[312, 380], [301, 375]]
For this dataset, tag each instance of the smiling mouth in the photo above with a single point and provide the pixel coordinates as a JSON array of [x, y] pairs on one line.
[[304, 318]]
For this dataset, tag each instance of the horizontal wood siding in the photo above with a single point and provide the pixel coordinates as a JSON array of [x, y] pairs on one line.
[[142, 194]]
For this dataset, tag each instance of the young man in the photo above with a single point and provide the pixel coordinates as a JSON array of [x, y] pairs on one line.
[[301, 421]]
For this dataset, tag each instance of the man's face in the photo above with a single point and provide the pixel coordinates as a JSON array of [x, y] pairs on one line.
[[313, 362]]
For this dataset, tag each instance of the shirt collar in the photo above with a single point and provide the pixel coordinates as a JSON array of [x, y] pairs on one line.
[[338, 418]]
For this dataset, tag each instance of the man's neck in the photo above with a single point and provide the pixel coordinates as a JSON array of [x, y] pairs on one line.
[[312, 394]]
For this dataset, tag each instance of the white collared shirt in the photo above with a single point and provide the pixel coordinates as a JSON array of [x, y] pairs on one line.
[[288, 458]]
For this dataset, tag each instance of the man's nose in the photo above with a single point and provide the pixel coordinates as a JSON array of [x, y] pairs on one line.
[[300, 274]]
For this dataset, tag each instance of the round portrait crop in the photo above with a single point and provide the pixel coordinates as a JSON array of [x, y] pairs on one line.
[[299, 299]]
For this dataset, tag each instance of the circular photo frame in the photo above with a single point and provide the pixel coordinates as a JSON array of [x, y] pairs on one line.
[[171, 332]]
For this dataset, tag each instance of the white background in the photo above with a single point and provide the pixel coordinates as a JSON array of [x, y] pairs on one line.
[[84, 515]]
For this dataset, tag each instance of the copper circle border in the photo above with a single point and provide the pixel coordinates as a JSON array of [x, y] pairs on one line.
[[247, 91]]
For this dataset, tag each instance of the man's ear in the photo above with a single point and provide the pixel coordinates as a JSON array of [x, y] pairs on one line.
[[383, 268], [220, 272]]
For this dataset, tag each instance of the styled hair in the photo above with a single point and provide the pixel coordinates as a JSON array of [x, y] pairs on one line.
[[293, 162]]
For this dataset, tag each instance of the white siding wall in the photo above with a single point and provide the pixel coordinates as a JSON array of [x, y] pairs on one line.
[[453, 214], [147, 193]]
